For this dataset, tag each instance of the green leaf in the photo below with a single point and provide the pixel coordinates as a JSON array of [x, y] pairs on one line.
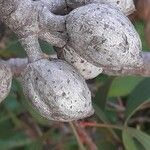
[[139, 96], [101, 115], [14, 140], [106, 145], [70, 144], [46, 47], [102, 93], [37, 145], [122, 86], [142, 137], [140, 28], [14, 48], [128, 140], [10, 144]]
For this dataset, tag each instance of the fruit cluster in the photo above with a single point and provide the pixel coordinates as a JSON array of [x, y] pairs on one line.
[[99, 35]]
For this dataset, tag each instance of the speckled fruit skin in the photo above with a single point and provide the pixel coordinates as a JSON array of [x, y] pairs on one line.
[[56, 90], [126, 6], [5, 80], [104, 36], [86, 69]]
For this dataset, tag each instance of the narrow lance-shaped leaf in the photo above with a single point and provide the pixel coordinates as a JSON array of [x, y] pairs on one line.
[[101, 115], [128, 140], [142, 137], [122, 86], [138, 97]]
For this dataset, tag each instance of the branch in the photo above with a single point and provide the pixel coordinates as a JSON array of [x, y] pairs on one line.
[[31, 20], [18, 64]]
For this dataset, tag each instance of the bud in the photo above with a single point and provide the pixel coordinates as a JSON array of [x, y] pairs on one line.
[[5, 80], [104, 36], [56, 90]]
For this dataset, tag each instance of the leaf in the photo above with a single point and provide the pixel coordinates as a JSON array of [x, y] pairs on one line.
[[105, 145], [47, 48], [14, 140], [102, 93], [6, 129], [71, 144], [142, 137], [128, 140], [101, 115], [140, 28], [14, 48], [10, 144], [12, 104], [37, 145], [139, 96], [122, 86]]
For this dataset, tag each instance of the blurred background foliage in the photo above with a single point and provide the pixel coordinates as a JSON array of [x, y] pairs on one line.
[[121, 120]]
